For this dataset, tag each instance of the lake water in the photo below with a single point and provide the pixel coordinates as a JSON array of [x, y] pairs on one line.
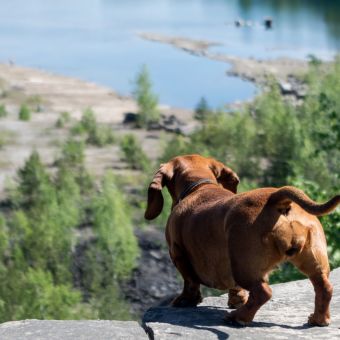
[[96, 40]]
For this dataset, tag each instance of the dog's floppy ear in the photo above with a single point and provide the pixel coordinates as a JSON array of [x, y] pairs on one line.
[[155, 197], [225, 176]]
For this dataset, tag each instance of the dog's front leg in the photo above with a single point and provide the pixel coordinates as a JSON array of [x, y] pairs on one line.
[[259, 294], [191, 294]]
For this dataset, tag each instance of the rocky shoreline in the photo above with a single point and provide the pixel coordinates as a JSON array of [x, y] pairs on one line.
[[254, 70]]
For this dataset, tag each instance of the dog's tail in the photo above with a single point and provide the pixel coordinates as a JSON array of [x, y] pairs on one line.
[[284, 196]]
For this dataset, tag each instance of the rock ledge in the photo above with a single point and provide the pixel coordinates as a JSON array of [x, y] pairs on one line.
[[283, 317]]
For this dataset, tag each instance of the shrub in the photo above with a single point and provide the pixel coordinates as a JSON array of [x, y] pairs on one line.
[[100, 136], [87, 123], [73, 159], [202, 110], [73, 153], [147, 101], [96, 134], [24, 113], [63, 119], [3, 111], [35, 295], [32, 178], [133, 153]]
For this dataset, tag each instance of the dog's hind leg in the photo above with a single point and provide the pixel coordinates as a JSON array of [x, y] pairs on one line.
[[191, 295], [259, 294], [323, 294], [237, 297], [314, 263]]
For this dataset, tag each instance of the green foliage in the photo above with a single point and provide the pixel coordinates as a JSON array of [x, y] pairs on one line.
[[101, 136], [39, 243], [88, 120], [32, 178], [24, 113], [133, 153], [3, 111], [43, 299], [73, 160], [63, 120], [73, 153], [113, 255], [113, 227], [202, 110], [147, 101], [97, 135]]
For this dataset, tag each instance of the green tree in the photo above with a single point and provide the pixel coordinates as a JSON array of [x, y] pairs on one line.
[[148, 112], [64, 118], [96, 134], [133, 153], [33, 179], [73, 160], [3, 111], [113, 227], [202, 110], [24, 113]]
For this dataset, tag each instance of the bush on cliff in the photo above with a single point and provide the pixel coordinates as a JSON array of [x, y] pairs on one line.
[[95, 134], [148, 112], [24, 113], [133, 153]]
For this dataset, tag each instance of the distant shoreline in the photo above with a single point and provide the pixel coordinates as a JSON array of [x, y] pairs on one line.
[[254, 70]]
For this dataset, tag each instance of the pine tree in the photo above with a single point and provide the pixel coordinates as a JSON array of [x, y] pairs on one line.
[[147, 101]]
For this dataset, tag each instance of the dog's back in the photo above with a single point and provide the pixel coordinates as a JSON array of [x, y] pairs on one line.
[[195, 229]]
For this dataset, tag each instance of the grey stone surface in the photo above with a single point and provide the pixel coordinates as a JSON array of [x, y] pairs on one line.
[[71, 330], [283, 317]]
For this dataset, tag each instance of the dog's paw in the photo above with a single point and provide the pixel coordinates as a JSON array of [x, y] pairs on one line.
[[237, 298], [234, 319], [232, 305], [184, 301], [320, 321]]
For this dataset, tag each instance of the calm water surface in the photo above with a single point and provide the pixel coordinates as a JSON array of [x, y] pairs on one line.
[[96, 40]]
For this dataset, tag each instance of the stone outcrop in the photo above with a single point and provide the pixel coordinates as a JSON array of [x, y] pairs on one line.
[[283, 317], [71, 330]]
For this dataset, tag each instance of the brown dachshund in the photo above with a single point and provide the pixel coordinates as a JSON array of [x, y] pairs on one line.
[[233, 241]]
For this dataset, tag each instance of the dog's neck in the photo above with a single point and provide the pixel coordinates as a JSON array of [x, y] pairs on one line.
[[188, 190]]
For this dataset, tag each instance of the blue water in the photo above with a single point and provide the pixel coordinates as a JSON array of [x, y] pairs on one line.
[[96, 40]]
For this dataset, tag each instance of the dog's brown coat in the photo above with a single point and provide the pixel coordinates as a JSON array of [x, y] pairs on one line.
[[232, 241]]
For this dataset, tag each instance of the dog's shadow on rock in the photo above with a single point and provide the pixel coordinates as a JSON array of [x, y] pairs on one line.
[[207, 318]]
